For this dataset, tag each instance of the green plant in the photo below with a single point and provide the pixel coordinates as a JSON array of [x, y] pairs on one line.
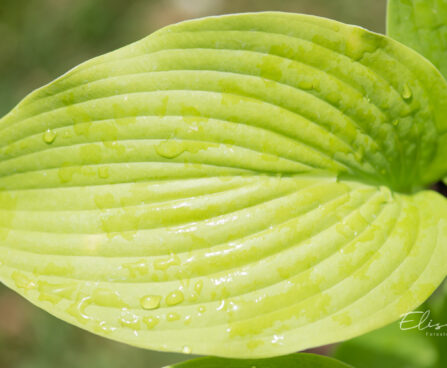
[[288, 361], [242, 186]]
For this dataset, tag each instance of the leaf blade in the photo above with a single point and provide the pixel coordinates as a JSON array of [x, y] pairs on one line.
[[251, 203]]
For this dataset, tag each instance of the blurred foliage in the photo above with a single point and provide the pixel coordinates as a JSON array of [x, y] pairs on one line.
[[391, 347], [299, 360], [40, 40]]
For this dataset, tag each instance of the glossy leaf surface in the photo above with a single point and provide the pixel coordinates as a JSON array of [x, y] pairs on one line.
[[243, 186]]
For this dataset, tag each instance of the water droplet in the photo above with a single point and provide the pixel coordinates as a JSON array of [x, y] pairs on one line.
[[202, 309], [173, 317], [49, 136], [407, 93], [163, 264], [174, 298], [170, 149], [22, 281], [78, 310], [198, 287], [150, 302], [103, 172], [107, 297], [151, 322], [186, 350], [104, 327], [130, 319], [277, 339], [54, 293]]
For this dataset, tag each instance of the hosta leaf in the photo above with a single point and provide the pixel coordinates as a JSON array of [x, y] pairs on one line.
[[243, 186], [422, 25], [289, 361]]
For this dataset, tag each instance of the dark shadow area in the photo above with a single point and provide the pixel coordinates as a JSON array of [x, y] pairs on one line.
[[440, 187]]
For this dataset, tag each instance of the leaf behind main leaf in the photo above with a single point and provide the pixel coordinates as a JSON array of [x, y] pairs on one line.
[[422, 25], [290, 361]]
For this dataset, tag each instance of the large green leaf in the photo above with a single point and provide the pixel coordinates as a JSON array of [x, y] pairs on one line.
[[422, 25], [289, 361], [244, 186]]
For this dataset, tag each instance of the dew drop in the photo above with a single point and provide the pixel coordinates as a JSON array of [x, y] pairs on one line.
[[151, 322], [170, 149], [49, 136], [174, 298], [129, 319], [198, 287], [173, 317], [104, 327], [202, 309], [186, 350], [164, 264], [22, 281], [407, 93], [78, 310], [105, 296], [150, 302]]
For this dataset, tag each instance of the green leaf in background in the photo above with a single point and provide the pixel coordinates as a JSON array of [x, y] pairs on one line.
[[410, 346], [390, 347], [289, 361], [422, 25], [244, 186]]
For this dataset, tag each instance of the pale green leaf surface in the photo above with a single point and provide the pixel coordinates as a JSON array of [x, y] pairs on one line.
[[290, 361], [243, 186]]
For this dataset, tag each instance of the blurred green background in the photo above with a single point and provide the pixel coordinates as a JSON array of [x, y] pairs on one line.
[[41, 39]]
